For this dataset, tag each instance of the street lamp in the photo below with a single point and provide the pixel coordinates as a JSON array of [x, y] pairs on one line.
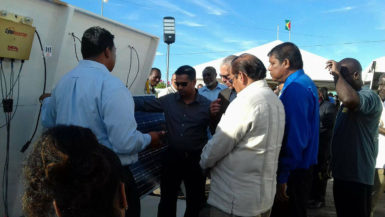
[[168, 37], [102, 4]]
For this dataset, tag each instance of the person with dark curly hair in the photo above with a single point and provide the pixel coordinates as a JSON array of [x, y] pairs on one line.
[[69, 173]]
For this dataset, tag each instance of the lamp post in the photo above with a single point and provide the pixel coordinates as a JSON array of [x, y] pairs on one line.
[[102, 5], [168, 38]]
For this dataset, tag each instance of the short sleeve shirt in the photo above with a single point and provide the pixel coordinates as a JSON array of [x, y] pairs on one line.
[[355, 140]]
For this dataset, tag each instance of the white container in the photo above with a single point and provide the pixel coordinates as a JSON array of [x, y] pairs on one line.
[[55, 23]]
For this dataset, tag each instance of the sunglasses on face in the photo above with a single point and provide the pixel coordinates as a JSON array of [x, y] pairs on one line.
[[183, 84], [225, 77]]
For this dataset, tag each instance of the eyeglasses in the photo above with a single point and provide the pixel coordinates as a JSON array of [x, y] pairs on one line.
[[225, 77], [183, 84]]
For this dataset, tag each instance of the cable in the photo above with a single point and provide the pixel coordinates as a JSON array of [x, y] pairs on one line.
[[129, 69], [17, 78], [6, 167], [76, 53], [137, 72], [5, 81], [18, 95], [300, 46], [9, 95], [1, 79], [26, 145]]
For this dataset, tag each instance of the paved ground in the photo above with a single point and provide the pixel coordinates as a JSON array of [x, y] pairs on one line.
[[150, 205], [329, 210]]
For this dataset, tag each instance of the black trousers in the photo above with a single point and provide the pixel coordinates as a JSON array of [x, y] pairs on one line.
[[320, 181], [178, 166], [132, 193], [298, 189], [352, 199]]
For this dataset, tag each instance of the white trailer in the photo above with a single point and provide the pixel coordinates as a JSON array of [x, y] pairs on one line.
[[56, 22]]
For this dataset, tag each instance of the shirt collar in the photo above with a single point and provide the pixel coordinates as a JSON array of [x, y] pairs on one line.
[[198, 97], [94, 64], [292, 78], [250, 87], [205, 88]]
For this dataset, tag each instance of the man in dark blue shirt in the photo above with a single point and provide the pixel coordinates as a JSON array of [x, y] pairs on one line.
[[299, 149], [187, 116], [355, 140]]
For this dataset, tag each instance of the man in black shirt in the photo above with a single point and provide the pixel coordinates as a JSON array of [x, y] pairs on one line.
[[187, 118]]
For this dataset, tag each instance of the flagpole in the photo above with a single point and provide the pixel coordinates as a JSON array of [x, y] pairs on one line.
[[277, 32], [289, 33]]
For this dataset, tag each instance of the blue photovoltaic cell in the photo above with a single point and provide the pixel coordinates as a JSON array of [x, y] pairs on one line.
[[147, 169]]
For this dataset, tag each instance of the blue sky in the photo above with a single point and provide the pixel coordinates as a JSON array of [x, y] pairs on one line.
[[210, 29]]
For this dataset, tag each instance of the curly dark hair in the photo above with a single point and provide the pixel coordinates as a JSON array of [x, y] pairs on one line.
[[68, 165]]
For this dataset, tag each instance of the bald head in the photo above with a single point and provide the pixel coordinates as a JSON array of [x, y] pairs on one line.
[[352, 64], [351, 70]]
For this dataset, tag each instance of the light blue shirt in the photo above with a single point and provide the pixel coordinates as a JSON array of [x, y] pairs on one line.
[[90, 96], [211, 94]]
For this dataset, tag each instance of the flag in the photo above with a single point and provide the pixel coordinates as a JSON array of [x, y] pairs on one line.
[[288, 25]]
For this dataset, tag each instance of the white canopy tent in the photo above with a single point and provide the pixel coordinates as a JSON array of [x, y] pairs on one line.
[[314, 65], [372, 72]]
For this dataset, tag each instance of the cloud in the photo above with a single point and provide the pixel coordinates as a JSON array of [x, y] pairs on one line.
[[190, 23], [131, 16], [336, 10], [244, 44], [159, 53], [342, 50], [211, 8], [170, 6]]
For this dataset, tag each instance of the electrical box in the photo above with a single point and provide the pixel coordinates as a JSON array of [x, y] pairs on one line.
[[16, 36]]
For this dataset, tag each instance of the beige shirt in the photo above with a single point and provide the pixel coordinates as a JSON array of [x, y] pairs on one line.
[[166, 91], [380, 163], [243, 153]]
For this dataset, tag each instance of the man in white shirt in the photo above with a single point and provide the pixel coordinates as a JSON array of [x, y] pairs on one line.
[[243, 153], [213, 87], [379, 176], [170, 89]]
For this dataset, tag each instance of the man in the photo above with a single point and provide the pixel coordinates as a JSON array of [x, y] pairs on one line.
[[327, 114], [171, 89], [355, 144], [213, 87], [187, 118], [152, 81], [243, 152], [89, 96], [300, 142], [379, 176], [355, 140], [225, 97]]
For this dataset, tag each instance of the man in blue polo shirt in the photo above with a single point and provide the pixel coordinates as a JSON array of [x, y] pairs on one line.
[[299, 149], [355, 140], [213, 87]]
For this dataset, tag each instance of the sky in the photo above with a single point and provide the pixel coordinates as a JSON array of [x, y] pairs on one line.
[[211, 29]]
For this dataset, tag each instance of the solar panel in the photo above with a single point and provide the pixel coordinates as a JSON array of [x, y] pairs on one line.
[[147, 169]]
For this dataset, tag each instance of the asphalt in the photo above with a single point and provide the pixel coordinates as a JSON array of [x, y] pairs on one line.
[[150, 204]]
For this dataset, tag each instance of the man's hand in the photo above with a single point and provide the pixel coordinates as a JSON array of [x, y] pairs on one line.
[[334, 68], [215, 107], [281, 192], [156, 137], [43, 96]]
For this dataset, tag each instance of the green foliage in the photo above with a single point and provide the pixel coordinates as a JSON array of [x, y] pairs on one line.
[[161, 85]]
